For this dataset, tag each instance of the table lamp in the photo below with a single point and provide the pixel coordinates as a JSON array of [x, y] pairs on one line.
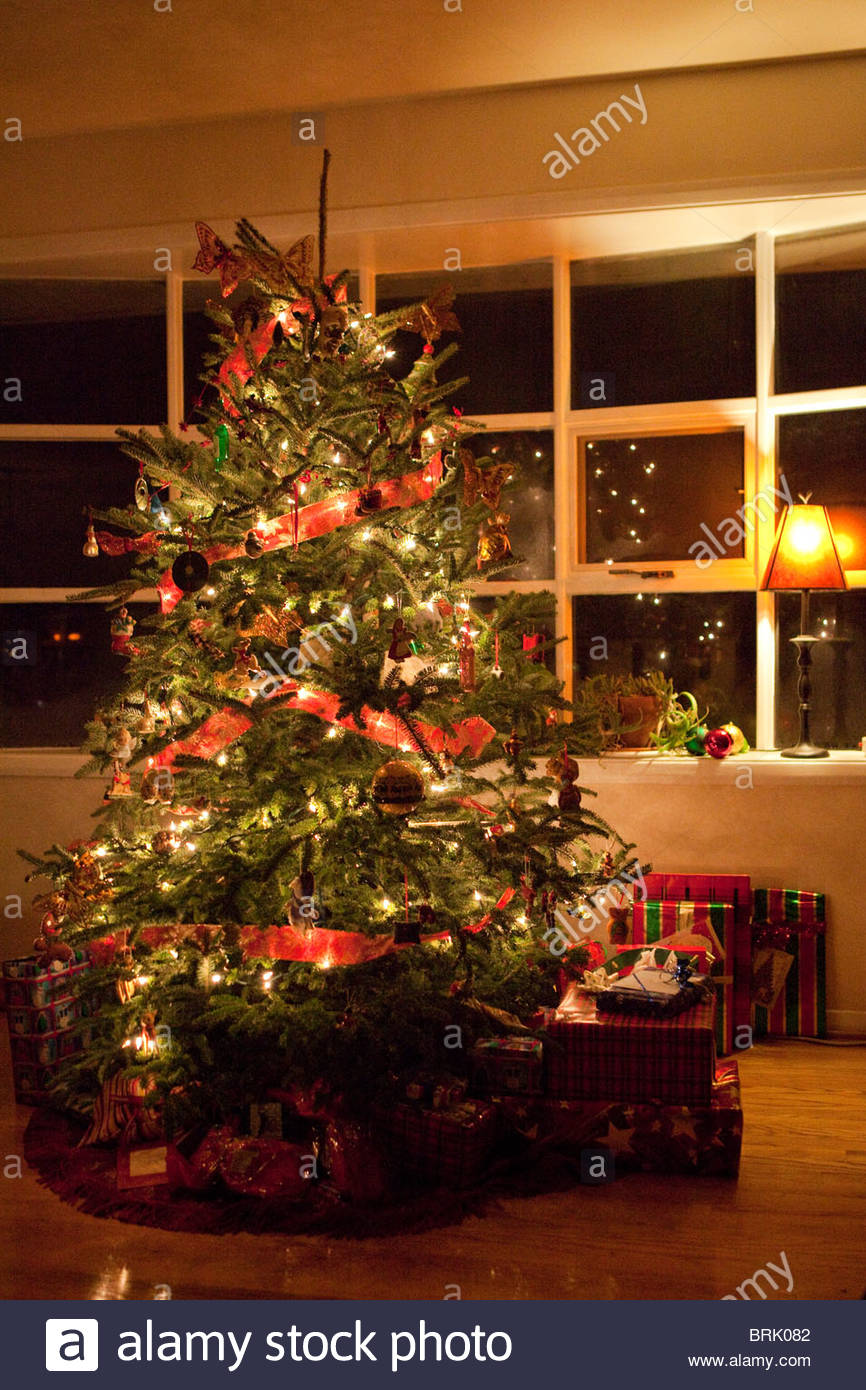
[[804, 557]]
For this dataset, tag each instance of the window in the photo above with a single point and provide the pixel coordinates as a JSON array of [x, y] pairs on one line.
[[84, 351], [663, 328], [824, 453], [704, 643], [646, 497], [838, 699], [820, 325], [506, 338], [529, 502], [659, 436]]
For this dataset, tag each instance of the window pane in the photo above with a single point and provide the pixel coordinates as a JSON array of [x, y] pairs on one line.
[[705, 643], [198, 328], [647, 496], [528, 502], [838, 700], [87, 352], [825, 453], [820, 325], [45, 490], [506, 342], [672, 327], [57, 667]]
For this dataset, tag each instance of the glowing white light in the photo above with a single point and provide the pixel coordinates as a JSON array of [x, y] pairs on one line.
[[216, 977], [100, 851], [386, 904], [222, 759]]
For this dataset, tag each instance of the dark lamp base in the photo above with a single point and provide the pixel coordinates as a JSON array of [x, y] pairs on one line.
[[805, 750]]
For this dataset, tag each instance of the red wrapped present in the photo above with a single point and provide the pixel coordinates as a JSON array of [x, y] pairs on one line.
[[448, 1147], [264, 1167], [789, 905], [699, 1139], [607, 1057], [733, 975], [508, 1064]]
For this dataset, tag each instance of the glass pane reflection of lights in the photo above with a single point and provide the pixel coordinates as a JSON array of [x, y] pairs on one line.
[[647, 497], [838, 699], [704, 643]]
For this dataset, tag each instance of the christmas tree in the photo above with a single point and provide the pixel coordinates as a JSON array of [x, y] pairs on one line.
[[328, 854]]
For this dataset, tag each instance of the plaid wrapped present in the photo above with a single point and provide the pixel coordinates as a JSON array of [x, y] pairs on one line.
[[789, 979], [508, 1064], [732, 972], [607, 1057], [43, 1012], [448, 1147], [655, 920], [789, 905], [700, 1139]]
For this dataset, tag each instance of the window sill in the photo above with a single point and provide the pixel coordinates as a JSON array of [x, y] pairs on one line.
[[769, 767]]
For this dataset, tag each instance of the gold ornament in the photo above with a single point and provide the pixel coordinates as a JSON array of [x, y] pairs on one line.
[[397, 787], [493, 543], [333, 322]]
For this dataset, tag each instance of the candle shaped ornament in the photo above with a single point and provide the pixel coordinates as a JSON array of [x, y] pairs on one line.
[[466, 649]]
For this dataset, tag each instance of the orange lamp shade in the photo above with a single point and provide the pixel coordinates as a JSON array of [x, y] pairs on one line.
[[804, 552]]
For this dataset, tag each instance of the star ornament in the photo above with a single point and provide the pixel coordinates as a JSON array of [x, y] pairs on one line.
[[434, 317]]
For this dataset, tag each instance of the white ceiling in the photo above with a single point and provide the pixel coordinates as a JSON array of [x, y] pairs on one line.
[[86, 65]]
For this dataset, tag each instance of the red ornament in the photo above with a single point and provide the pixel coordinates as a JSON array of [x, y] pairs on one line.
[[718, 743]]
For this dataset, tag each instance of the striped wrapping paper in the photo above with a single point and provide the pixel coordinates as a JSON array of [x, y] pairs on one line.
[[592, 1056], [792, 921], [653, 921], [789, 905]]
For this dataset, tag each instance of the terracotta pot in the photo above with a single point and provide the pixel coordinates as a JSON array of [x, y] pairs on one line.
[[640, 714]]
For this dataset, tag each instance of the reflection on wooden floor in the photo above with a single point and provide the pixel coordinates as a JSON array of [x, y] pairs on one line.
[[802, 1190]]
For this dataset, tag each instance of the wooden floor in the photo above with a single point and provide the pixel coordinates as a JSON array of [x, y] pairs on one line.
[[802, 1190]]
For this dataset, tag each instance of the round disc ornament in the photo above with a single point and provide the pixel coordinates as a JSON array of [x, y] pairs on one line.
[[397, 787], [190, 571]]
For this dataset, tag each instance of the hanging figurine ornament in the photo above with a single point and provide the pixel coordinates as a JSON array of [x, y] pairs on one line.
[[121, 784], [568, 800], [142, 491], [122, 628], [91, 545], [397, 788], [301, 909], [253, 545], [190, 570], [466, 651], [333, 322], [403, 642], [494, 547], [512, 746]]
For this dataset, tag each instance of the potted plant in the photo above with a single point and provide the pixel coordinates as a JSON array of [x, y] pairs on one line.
[[627, 711]]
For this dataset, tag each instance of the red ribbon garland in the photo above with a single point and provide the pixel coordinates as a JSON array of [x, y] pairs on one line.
[[317, 519]]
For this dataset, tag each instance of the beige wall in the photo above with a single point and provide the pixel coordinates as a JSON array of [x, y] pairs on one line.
[[766, 127], [795, 827]]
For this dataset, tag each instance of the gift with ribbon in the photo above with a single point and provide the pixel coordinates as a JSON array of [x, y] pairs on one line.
[[789, 963]]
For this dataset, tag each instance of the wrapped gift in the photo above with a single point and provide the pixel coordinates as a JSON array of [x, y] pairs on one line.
[[696, 894], [448, 1147], [699, 1139], [264, 1167], [607, 1057], [789, 905], [789, 979], [28, 984], [508, 1064]]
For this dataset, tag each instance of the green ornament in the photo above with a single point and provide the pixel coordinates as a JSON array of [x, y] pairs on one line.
[[222, 443], [695, 744]]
